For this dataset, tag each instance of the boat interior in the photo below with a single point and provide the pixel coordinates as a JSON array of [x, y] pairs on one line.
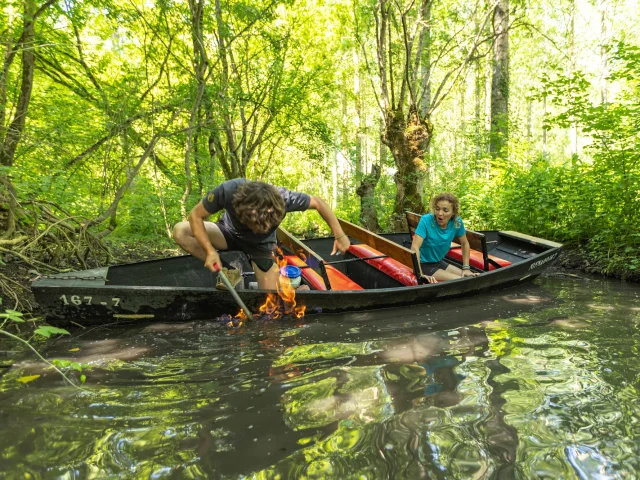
[[372, 262]]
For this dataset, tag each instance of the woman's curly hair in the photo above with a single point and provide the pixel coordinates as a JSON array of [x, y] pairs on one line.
[[453, 200], [259, 206]]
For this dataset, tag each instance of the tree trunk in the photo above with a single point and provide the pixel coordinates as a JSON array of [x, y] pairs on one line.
[[10, 138], [479, 121], [500, 81], [360, 135], [366, 192], [14, 132], [200, 64], [604, 60], [11, 198], [368, 182], [334, 180], [408, 139]]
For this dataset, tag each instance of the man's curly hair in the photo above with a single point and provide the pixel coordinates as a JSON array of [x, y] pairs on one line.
[[259, 206]]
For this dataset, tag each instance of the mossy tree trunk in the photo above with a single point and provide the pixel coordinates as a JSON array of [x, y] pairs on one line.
[[408, 137], [366, 192]]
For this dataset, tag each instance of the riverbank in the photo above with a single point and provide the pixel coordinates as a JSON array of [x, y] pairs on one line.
[[581, 261]]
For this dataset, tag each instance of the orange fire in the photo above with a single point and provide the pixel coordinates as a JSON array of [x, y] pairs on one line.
[[281, 304], [287, 292]]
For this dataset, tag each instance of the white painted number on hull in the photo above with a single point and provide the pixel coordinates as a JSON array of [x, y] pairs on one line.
[[87, 300]]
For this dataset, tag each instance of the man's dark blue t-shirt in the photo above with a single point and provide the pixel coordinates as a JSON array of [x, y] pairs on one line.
[[221, 198]]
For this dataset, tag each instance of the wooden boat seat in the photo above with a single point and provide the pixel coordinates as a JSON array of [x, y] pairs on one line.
[[400, 258], [479, 257], [337, 279], [391, 267]]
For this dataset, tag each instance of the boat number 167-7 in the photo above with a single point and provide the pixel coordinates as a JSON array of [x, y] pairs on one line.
[[87, 300]]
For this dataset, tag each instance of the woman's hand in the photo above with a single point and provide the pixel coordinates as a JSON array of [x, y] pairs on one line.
[[213, 261], [469, 273], [429, 279]]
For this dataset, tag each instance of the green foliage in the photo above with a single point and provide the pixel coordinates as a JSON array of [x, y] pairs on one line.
[[18, 317], [47, 331], [44, 332], [110, 78], [587, 202], [12, 315], [77, 366]]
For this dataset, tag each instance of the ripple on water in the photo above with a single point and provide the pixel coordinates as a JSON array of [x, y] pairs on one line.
[[541, 382]]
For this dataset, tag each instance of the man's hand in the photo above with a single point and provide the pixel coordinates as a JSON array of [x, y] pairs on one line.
[[469, 273], [213, 261], [429, 279], [341, 244]]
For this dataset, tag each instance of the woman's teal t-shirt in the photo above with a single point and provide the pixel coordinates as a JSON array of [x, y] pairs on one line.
[[437, 240]]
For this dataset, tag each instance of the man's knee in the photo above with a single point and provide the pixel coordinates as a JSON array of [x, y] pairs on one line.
[[181, 231]]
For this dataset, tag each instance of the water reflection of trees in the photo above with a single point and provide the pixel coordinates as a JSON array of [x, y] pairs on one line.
[[568, 385], [410, 407], [554, 390], [521, 397]]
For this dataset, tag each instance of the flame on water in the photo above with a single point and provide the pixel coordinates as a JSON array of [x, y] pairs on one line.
[[277, 305], [233, 322], [284, 303]]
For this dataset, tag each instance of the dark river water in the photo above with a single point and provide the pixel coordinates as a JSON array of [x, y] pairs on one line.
[[537, 381]]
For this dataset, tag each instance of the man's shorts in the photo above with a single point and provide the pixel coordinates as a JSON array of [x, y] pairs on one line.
[[263, 255], [429, 268]]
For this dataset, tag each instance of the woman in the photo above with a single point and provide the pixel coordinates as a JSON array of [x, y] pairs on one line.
[[433, 238]]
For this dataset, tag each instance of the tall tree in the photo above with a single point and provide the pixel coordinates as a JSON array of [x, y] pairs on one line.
[[21, 39], [259, 75], [367, 180], [500, 80], [407, 63]]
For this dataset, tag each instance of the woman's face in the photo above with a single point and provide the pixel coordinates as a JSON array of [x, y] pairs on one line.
[[443, 212]]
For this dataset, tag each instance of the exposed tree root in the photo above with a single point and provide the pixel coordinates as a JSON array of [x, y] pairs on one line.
[[40, 237]]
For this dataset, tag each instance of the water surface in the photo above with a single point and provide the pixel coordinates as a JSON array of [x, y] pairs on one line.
[[538, 381]]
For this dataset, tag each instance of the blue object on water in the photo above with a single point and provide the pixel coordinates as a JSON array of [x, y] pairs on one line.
[[290, 271]]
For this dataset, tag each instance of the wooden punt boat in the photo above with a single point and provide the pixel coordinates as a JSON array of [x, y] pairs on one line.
[[181, 289]]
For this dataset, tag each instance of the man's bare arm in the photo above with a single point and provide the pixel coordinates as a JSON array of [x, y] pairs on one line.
[[342, 242], [197, 217]]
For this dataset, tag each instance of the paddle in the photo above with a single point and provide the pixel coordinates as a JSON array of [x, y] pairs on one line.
[[234, 294]]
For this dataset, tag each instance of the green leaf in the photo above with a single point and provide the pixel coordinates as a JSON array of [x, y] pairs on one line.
[[48, 331], [83, 378], [29, 378], [12, 315]]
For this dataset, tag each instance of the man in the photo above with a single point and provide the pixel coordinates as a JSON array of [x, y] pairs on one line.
[[253, 211]]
